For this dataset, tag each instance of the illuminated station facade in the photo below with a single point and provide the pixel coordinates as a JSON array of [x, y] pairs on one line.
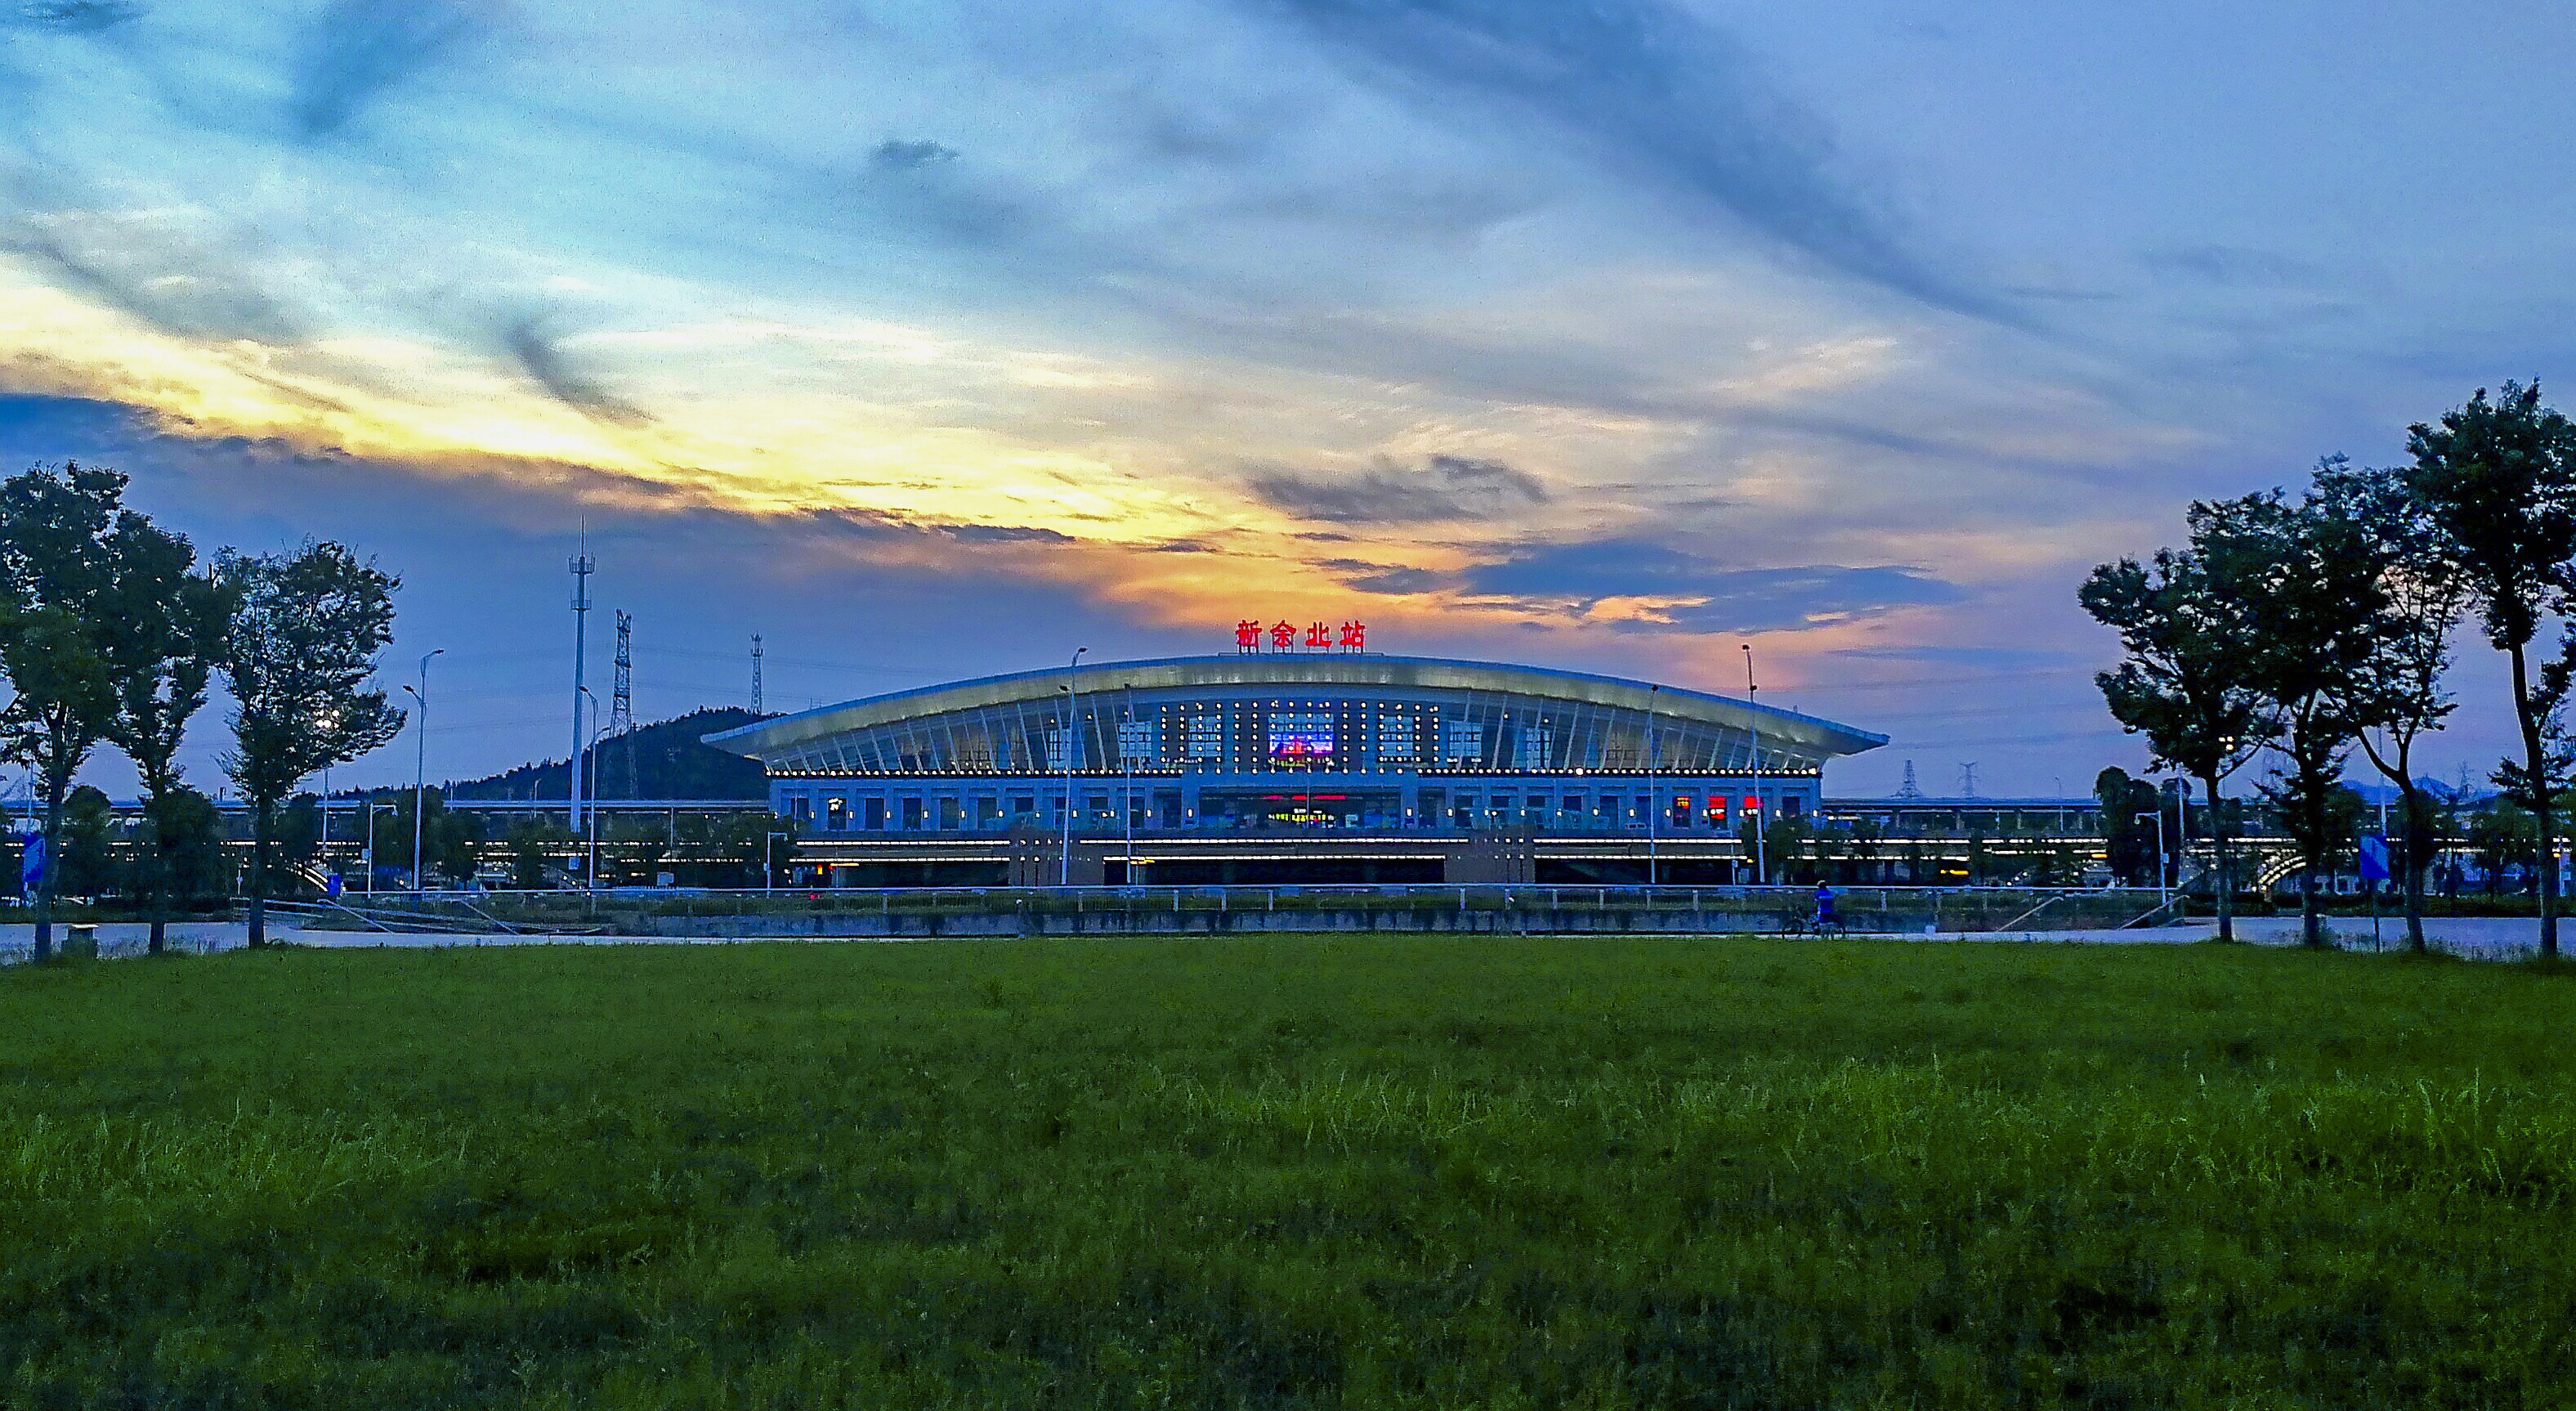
[[1271, 743]]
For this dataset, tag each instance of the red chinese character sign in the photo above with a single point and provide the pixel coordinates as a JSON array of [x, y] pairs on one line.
[[1285, 636]]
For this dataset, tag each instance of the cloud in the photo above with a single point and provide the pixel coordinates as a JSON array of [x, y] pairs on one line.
[[1643, 586], [1658, 93], [79, 16], [1441, 488], [161, 275], [1379, 578], [911, 156], [541, 356], [356, 50]]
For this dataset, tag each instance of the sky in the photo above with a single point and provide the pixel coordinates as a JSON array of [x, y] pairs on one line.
[[935, 341]]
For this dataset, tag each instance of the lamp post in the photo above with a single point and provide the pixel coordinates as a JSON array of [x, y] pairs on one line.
[[1654, 789], [1761, 813], [2161, 897], [374, 808], [420, 764], [1072, 705], [590, 864], [1127, 776]]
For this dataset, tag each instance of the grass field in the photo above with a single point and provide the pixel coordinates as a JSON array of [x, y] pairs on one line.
[[1289, 1172]]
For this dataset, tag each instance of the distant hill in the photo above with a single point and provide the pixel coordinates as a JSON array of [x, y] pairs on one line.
[[670, 763]]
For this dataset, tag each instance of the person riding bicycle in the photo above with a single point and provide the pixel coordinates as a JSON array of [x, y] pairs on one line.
[[1824, 906]]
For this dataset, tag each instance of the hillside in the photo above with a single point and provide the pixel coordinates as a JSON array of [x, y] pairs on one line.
[[669, 763]]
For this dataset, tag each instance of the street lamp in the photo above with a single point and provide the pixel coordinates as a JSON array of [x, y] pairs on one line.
[[1072, 705], [590, 868], [2159, 817], [1654, 789], [1761, 814], [374, 808], [1127, 773], [420, 764]]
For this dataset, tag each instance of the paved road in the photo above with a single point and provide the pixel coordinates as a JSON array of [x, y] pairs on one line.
[[2483, 937]]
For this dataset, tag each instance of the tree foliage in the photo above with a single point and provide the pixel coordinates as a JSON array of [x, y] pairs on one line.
[[304, 636]]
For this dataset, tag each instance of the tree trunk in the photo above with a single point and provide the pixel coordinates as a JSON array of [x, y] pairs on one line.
[[2418, 832], [46, 888], [2536, 760], [2222, 882], [2311, 925], [259, 829]]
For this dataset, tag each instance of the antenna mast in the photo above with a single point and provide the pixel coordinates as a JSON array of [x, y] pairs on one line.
[[621, 702], [756, 654], [582, 566]]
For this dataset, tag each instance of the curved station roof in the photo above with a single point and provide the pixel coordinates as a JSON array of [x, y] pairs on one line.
[[1235, 672]]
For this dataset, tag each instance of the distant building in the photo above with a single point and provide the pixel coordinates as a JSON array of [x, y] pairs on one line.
[[1283, 743]]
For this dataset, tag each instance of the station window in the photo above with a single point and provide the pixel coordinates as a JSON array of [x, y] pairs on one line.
[[836, 815], [801, 808], [1395, 738], [1681, 810], [1462, 741]]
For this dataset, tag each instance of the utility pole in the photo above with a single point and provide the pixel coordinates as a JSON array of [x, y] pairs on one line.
[[1761, 811], [621, 704], [757, 652], [1654, 787], [1072, 743], [420, 773], [582, 566]]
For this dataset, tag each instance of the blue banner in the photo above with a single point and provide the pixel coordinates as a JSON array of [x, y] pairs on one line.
[[2374, 859], [31, 865]]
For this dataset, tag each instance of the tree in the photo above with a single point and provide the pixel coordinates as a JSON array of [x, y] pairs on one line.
[[2497, 481], [57, 573], [160, 636], [186, 836], [304, 636], [2395, 693], [2313, 597], [531, 843], [2130, 841], [87, 860], [2186, 685]]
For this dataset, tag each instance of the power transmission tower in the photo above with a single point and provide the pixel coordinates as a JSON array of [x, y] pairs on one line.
[[1909, 789], [756, 654], [621, 703], [1968, 780]]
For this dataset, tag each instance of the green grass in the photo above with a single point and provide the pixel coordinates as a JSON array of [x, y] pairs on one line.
[[1283, 1172]]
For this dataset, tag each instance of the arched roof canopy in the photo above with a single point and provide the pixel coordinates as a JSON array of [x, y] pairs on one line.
[[1805, 734]]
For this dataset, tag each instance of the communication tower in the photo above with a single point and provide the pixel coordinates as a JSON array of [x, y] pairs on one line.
[[621, 703], [1909, 789], [582, 567], [756, 654]]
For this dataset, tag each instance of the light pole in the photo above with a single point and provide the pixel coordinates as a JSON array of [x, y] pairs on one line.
[[2161, 897], [1761, 814], [590, 867], [1127, 774], [374, 808], [1654, 789], [420, 765], [769, 862], [1072, 704]]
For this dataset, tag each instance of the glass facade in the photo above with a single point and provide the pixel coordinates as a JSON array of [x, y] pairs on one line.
[[1253, 758]]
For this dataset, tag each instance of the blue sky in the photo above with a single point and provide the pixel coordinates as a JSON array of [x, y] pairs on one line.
[[931, 341]]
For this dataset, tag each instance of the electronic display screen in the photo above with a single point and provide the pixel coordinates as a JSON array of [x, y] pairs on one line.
[[1301, 736]]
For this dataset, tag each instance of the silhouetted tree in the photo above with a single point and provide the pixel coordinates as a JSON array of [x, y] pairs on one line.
[[2395, 694], [304, 636], [87, 859], [57, 579], [2497, 481], [2129, 840], [2187, 685], [164, 626], [2312, 595]]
